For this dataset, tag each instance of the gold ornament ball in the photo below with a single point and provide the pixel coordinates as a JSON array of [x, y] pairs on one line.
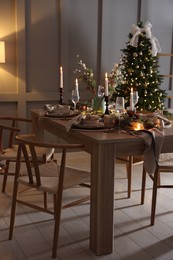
[[135, 54]]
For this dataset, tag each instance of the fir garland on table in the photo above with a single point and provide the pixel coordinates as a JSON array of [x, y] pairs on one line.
[[125, 122]]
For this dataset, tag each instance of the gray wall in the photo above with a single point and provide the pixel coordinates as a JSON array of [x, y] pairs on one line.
[[41, 35]]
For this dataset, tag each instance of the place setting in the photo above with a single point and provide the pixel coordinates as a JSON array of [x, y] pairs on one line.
[[62, 110], [59, 111]]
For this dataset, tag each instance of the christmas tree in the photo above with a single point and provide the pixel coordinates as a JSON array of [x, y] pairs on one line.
[[139, 69]]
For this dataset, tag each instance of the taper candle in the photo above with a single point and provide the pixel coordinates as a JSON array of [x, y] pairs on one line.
[[76, 84], [131, 100], [61, 77], [106, 84]]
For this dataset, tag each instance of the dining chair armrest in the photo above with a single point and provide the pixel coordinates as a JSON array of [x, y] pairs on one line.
[[32, 139], [14, 129]]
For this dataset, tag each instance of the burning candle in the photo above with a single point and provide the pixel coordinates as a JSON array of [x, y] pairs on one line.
[[131, 100], [61, 77], [137, 126], [76, 84], [106, 84]]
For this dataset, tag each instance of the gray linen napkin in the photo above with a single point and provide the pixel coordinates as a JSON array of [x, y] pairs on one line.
[[58, 110], [153, 139], [167, 122], [74, 121], [54, 110]]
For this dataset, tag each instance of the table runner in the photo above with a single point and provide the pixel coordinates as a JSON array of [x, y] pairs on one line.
[[153, 139]]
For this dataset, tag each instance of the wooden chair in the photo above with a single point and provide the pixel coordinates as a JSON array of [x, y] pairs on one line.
[[48, 177], [8, 148], [130, 161], [165, 164]]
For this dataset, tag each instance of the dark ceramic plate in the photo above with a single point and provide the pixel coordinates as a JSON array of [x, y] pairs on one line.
[[57, 115], [89, 127]]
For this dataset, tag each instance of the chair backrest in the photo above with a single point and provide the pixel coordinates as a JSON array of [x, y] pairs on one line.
[[13, 122], [32, 162], [168, 78], [13, 131]]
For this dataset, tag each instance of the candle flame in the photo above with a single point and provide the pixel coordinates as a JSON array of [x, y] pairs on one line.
[[137, 126]]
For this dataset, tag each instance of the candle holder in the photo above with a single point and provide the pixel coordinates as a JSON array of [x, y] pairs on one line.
[[106, 101], [61, 102]]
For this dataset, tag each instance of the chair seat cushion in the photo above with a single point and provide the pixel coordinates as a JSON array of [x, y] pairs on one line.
[[166, 159], [11, 153], [49, 173]]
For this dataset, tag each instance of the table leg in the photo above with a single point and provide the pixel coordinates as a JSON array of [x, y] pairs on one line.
[[102, 199], [37, 126]]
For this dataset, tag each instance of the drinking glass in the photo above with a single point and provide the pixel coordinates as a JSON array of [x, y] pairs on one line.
[[135, 97], [120, 104], [75, 97], [100, 91]]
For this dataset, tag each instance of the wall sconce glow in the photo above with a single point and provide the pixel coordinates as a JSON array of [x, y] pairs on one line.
[[2, 52]]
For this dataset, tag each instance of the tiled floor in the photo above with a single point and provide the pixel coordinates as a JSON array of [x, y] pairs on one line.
[[134, 238]]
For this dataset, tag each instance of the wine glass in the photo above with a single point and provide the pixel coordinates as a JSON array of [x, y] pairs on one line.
[[135, 97], [119, 104], [75, 97], [100, 91]]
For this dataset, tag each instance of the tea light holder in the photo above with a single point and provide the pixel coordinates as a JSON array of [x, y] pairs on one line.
[[137, 126]]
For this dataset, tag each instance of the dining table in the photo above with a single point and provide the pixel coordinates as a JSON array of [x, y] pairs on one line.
[[103, 146]]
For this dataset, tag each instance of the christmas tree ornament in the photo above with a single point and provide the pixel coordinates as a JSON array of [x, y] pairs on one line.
[[135, 54]]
